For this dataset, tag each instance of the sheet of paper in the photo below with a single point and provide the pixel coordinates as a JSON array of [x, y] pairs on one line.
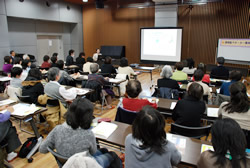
[[205, 147], [104, 129], [151, 100], [4, 79], [218, 90], [173, 104], [22, 109], [81, 91], [212, 112], [6, 102], [180, 143]]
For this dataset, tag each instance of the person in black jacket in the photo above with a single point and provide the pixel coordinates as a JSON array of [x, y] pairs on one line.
[[80, 60], [32, 85], [188, 111], [107, 67], [166, 80], [53, 60], [220, 72], [70, 58]]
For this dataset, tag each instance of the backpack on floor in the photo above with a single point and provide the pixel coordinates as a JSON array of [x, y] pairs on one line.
[[27, 147]]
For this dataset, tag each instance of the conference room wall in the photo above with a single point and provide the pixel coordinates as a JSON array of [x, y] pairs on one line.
[[110, 26], [205, 24]]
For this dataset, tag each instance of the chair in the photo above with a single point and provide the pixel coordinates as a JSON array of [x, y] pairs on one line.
[[193, 132], [25, 99], [61, 160], [168, 93], [125, 116], [13, 92], [220, 98]]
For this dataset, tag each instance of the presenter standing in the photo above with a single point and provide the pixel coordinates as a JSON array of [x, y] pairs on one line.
[[96, 55]]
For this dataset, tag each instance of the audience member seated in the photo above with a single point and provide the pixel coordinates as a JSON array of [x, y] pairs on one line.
[[220, 72], [8, 133], [17, 62], [198, 76], [235, 76], [132, 102], [108, 93], [147, 146], [32, 85], [26, 57], [75, 136], [7, 64], [107, 67], [178, 75], [188, 111], [65, 78], [53, 60], [70, 58], [206, 77], [86, 66], [15, 75], [124, 68], [96, 55], [80, 60], [26, 67], [238, 107], [46, 63], [189, 68], [52, 88], [229, 147]]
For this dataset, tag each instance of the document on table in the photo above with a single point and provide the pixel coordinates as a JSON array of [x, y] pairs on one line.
[[205, 147], [180, 143], [22, 109], [6, 102], [81, 91], [173, 104], [104, 129], [4, 79], [212, 112], [151, 100]]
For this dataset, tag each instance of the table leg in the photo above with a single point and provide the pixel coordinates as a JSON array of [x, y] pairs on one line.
[[33, 125], [119, 90]]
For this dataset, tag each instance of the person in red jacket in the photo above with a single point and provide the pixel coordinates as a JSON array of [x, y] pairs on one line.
[[133, 102], [46, 63]]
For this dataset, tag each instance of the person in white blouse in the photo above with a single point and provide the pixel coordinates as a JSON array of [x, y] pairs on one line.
[[124, 68], [95, 56], [86, 66]]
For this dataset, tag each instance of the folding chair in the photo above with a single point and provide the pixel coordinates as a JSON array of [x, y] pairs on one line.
[[60, 159]]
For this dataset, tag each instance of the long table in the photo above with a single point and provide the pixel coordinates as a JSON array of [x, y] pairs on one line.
[[190, 148]]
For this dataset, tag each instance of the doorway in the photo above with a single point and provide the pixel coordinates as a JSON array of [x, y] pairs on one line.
[[47, 45]]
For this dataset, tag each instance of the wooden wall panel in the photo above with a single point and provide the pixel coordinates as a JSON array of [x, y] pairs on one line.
[[205, 24], [115, 27]]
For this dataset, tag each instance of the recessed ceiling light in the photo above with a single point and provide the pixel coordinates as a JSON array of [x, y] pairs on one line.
[[84, 0]]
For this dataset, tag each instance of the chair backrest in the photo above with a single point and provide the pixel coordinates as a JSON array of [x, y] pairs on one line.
[[125, 116], [91, 84], [193, 132], [13, 92], [52, 102], [59, 158], [168, 93], [25, 99]]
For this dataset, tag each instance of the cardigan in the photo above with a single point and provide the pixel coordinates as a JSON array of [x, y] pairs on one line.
[[179, 76], [136, 104], [188, 112], [68, 141], [107, 68]]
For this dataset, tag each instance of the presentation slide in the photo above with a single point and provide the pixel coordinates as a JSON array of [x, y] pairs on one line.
[[161, 44]]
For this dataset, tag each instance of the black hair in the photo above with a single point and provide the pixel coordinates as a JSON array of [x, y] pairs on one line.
[[202, 67], [198, 75], [228, 136], [55, 54], [7, 59], [123, 62], [107, 60], [220, 60], [148, 127], [179, 66], [33, 65], [11, 52], [195, 90], [238, 99], [80, 114], [53, 59], [190, 63], [46, 58], [133, 88], [90, 59], [235, 75], [17, 60], [16, 71], [71, 52], [60, 64], [25, 63], [81, 54], [36, 73]]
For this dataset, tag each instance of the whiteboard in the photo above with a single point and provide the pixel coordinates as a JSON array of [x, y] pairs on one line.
[[234, 50]]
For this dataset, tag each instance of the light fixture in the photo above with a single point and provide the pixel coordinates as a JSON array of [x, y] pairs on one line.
[[84, 0]]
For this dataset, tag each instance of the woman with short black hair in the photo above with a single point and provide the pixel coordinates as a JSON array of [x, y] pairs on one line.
[[229, 147], [188, 111], [7, 64], [75, 136], [147, 145], [124, 68], [107, 67]]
